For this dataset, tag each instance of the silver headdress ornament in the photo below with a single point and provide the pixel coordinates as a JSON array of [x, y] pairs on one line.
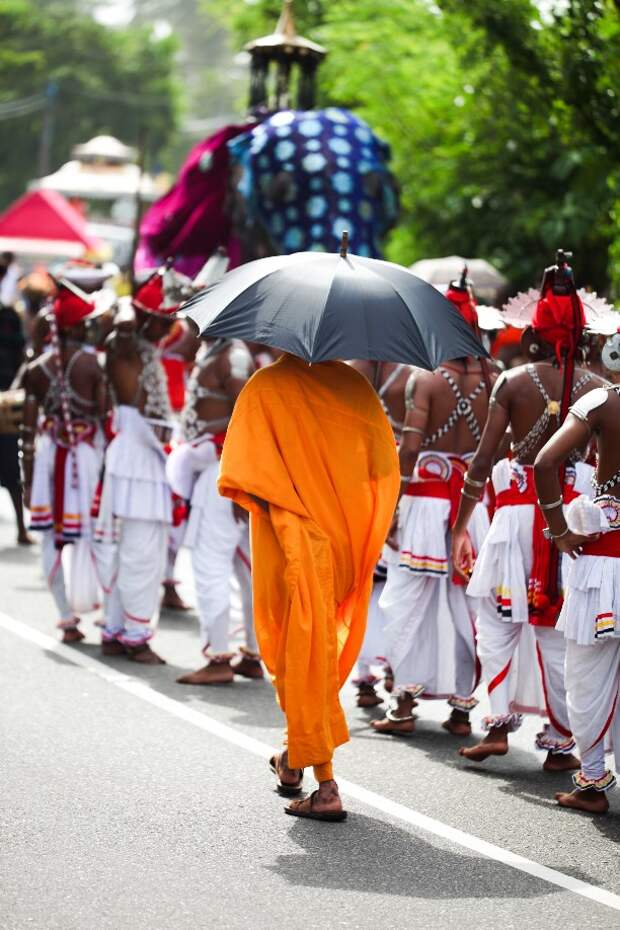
[[601, 317], [610, 353]]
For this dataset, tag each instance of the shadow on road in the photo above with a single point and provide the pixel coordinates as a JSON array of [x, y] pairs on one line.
[[374, 856]]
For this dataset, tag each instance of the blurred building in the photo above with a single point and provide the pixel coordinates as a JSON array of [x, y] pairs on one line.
[[102, 181]]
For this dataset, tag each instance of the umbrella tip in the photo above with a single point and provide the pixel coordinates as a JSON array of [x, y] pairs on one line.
[[344, 243]]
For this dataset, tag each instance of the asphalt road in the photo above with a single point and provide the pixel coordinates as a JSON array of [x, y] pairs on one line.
[[134, 802]]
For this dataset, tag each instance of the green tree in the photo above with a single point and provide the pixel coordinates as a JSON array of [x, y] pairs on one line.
[[102, 80], [503, 122]]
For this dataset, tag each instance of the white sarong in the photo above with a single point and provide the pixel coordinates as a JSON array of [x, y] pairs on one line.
[[522, 664], [83, 592], [131, 531], [429, 621], [220, 549]]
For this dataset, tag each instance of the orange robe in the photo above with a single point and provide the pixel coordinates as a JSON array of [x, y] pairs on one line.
[[314, 443]]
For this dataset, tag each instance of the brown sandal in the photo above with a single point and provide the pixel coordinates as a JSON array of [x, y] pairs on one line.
[[287, 791], [295, 810]]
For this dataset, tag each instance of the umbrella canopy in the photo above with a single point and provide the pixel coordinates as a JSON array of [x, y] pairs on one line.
[[322, 306], [488, 282]]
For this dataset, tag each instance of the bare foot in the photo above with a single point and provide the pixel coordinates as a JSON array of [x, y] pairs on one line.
[[495, 743], [144, 655], [458, 723], [172, 599], [289, 780], [213, 673], [367, 696], [112, 647], [398, 722], [72, 635], [323, 804], [247, 667], [23, 539], [561, 763], [590, 800]]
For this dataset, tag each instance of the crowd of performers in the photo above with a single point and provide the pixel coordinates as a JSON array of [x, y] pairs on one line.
[[502, 564]]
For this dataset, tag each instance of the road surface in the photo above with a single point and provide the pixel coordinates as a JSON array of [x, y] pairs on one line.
[[129, 801]]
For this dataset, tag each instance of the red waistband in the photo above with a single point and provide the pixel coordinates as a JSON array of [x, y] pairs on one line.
[[515, 496], [435, 488], [607, 545]]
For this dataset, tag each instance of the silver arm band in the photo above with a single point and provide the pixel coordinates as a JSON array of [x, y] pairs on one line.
[[551, 506], [470, 496], [413, 429], [474, 484]]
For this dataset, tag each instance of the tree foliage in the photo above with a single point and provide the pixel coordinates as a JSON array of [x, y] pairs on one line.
[[102, 80], [503, 122]]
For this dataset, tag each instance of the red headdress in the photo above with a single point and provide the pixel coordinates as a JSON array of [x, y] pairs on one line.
[[163, 292], [461, 295], [71, 305]]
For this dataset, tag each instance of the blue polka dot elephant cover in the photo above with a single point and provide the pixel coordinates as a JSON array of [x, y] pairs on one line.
[[305, 176]]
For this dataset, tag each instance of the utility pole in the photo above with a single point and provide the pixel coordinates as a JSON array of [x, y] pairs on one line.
[[47, 130], [139, 205]]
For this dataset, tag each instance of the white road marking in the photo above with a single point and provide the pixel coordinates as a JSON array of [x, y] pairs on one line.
[[370, 798]]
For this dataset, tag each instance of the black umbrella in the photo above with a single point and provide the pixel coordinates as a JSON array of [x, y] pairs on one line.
[[322, 306]]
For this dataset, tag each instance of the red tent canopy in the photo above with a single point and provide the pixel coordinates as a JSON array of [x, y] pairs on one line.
[[43, 222]]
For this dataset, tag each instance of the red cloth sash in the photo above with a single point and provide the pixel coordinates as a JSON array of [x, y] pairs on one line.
[[175, 375], [83, 431], [544, 605], [607, 545], [429, 485], [218, 442]]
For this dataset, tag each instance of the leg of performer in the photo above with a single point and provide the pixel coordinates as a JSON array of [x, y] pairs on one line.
[[23, 539], [556, 737], [373, 646], [466, 664], [106, 562], [171, 599], [141, 564], [248, 664], [55, 577], [410, 603], [593, 695], [497, 643], [213, 556]]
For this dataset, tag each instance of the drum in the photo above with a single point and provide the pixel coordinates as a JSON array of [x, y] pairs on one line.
[[11, 411]]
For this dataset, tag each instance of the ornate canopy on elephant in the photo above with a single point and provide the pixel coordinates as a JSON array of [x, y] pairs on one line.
[[308, 175]]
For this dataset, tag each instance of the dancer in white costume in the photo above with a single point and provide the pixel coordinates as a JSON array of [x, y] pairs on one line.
[[217, 534], [136, 505], [429, 621], [590, 618], [516, 576], [66, 386], [389, 380]]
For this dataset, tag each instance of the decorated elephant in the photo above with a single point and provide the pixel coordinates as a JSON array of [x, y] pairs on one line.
[[290, 183], [288, 180]]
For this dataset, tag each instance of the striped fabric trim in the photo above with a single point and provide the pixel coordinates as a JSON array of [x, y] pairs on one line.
[[503, 602], [604, 783], [604, 625], [423, 564]]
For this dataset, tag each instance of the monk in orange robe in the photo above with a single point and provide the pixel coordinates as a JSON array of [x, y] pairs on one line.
[[310, 454]]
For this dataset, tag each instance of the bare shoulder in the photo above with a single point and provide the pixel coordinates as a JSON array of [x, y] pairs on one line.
[[592, 379], [119, 344]]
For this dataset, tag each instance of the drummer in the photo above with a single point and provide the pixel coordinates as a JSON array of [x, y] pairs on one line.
[[135, 511]]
